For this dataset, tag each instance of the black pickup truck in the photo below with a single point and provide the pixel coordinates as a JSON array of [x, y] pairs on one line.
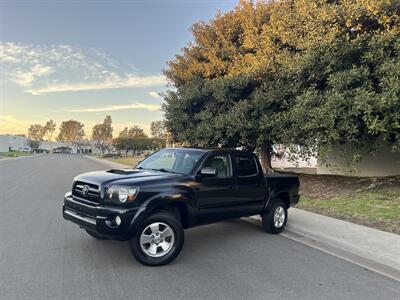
[[174, 189]]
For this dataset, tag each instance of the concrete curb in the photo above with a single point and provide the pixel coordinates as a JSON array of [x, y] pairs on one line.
[[20, 157], [108, 163], [367, 246]]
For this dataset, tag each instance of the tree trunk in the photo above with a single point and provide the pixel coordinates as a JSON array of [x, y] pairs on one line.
[[51, 144], [265, 157]]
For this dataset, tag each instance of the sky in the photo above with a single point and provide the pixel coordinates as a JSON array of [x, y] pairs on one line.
[[84, 60]]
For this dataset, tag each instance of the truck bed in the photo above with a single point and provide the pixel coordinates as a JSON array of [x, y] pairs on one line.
[[287, 185]]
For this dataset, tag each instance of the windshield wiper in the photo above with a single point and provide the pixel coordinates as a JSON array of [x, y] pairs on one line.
[[164, 170]]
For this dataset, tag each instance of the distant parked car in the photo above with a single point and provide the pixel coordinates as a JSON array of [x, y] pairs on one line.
[[62, 150], [27, 149]]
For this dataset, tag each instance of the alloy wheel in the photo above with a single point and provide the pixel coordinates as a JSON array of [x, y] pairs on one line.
[[157, 239], [279, 217]]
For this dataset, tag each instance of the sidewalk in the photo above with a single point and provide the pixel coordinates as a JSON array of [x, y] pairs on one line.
[[375, 247], [108, 163]]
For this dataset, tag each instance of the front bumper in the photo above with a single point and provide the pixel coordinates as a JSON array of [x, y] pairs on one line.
[[98, 218]]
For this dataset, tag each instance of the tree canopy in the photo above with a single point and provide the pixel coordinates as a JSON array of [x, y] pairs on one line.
[[157, 129], [135, 139], [71, 131], [138, 143], [35, 134], [133, 132], [313, 73], [102, 134], [49, 129]]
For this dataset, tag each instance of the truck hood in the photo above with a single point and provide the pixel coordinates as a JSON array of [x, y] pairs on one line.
[[124, 176]]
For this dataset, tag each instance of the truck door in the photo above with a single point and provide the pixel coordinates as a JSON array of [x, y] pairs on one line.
[[216, 194], [250, 183]]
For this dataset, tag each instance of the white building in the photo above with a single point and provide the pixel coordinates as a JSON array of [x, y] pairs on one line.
[[13, 142], [285, 163], [382, 162], [18, 143], [83, 147], [48, 146], [4, 143]]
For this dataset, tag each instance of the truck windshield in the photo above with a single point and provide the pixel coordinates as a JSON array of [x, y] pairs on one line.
[[172, 160]]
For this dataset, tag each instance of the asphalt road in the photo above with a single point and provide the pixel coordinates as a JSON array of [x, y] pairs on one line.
[[43, 256]]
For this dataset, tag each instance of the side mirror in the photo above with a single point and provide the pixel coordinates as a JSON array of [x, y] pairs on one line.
[[209, 171]]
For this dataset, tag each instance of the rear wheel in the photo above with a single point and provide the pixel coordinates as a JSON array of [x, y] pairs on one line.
[[158, 240], [95, 235], [275, 219]]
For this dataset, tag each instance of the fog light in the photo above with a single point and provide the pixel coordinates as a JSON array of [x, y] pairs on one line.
[[117, 220], [113, 221]]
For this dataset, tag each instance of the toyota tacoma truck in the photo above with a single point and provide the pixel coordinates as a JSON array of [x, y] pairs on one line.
[[175, 189]]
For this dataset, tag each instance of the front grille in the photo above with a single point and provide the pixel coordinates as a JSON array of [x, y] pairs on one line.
[[92, 192]]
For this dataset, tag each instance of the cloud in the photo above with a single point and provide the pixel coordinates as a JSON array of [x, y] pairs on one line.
[[155, 95], [43, 69], [137, 105], [113, 83], [26, 78]]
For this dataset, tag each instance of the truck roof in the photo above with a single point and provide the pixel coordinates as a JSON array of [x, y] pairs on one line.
[[230, 150]]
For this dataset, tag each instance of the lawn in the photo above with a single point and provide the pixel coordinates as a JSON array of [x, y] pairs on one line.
[[13, 154], [373, 202], [133, 161], [129, 161]]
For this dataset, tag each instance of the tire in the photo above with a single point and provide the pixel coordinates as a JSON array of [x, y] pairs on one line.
[[158, 241], [95, 235], [275, 219]]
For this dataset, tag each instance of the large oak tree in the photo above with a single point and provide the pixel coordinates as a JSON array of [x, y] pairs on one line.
[[299, 72]]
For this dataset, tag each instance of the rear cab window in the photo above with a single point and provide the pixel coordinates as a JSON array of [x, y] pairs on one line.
[[245, 165]]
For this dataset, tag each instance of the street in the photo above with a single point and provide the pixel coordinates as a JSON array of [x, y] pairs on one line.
[[42, 256]]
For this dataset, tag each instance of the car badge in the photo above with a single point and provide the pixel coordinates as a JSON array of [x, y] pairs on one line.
[[85, 190]]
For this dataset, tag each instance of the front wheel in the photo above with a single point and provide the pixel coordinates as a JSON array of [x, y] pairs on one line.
[[158, 240], [275, 219]]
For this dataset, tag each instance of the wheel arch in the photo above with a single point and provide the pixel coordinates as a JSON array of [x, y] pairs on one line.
[[281, 196], [178, 205], [179, 208]]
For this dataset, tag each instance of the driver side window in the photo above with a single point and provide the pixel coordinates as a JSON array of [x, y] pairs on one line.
[[222, 164]]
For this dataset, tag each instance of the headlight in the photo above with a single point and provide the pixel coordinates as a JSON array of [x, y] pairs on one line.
[[119, 193]]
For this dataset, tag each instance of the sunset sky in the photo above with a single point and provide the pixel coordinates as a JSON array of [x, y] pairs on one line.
[[83, 60]]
